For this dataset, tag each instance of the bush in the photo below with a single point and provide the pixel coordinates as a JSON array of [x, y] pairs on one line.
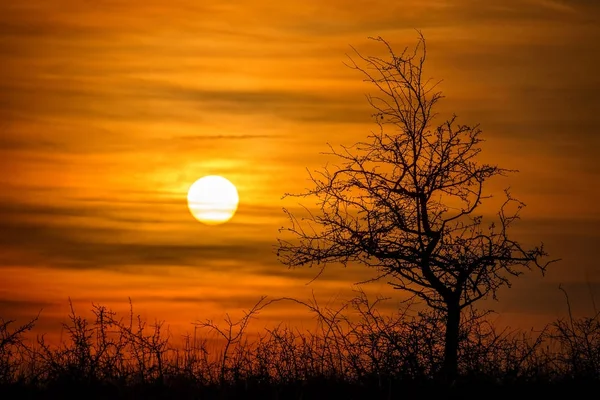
[[355, 351]]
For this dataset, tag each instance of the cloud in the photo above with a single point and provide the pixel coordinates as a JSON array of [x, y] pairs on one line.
[[292, 105], [578, 7], [23, 310], [537, 296], [23, 306], [145, 102], [48, 235], [196, 138], [80, 247]]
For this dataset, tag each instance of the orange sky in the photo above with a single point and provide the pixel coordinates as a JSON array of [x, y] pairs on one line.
[[111, 109]]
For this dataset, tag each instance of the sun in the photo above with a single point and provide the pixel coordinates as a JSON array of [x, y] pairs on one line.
[[213, 200]]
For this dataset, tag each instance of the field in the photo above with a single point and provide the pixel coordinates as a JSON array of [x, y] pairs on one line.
[[354, 353]]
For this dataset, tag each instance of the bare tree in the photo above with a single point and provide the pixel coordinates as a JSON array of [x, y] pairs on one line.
[[405, 202]]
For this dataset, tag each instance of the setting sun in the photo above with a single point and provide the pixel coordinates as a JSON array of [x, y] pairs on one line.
[[213, 200]]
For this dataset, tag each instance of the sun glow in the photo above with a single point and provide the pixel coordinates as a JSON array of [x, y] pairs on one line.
[[213, 200]]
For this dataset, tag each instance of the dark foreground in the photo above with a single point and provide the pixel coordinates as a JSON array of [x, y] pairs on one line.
[[317, 389], [354, 353]]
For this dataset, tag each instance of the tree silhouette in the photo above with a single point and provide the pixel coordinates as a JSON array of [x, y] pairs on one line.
[[405, 202]]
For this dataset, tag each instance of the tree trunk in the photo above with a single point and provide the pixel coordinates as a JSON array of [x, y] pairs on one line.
[[450, 367]]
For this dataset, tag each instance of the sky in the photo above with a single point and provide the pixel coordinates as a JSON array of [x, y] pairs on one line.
[[111, 109]]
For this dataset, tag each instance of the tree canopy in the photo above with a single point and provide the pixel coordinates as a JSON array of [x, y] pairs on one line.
[[406, 201]]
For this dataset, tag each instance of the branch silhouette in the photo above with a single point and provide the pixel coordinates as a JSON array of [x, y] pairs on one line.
[[405, 202]]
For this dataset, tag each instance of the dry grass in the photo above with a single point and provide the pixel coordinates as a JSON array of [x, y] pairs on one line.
[[355, 352]]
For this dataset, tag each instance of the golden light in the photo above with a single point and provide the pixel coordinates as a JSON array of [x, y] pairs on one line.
[[213, 200]]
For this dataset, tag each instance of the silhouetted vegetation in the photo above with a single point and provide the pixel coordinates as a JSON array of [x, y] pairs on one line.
[[406, 202], [354, 352]]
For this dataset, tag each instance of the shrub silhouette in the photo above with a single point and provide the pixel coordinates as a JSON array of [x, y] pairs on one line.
[[355, 351]]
